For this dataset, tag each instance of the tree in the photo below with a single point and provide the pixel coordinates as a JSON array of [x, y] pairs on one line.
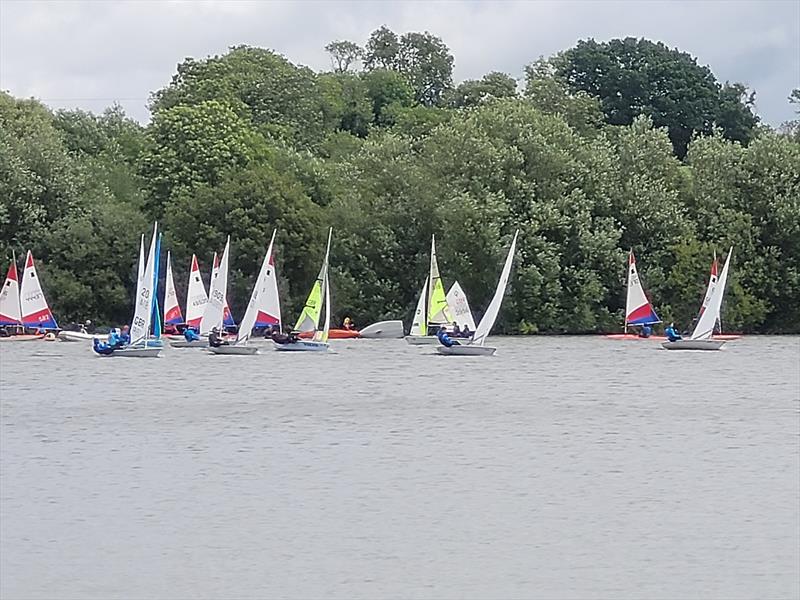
[[427, 63], [343, 54], [492, 85], [638, 77], [381, 50]]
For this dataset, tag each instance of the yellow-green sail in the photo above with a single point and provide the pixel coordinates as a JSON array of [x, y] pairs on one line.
[[438, 310], [310, 316]]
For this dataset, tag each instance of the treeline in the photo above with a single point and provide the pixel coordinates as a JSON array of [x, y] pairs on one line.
[[603, 147]]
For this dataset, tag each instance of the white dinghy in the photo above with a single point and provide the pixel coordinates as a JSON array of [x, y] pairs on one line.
[[477, 347], [701, 338], [309, 318], [432, 308], [383, 330]]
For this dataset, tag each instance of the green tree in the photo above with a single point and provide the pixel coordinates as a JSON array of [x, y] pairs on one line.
[[474, 92], [344, 54]]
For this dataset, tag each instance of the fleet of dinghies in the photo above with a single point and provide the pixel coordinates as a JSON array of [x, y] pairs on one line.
[[23, 308]]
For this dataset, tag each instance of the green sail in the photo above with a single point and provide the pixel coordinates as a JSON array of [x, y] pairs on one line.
[[310, 316]]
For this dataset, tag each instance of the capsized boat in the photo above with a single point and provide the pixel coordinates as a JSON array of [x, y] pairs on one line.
[[432, 308], [477, 347], [701, 338], [309, 319], [263, 308], [638, 309], [383, 330]]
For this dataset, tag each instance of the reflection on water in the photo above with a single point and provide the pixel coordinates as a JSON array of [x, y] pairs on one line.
[[561, 468]]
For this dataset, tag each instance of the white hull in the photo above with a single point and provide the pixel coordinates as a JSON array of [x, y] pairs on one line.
[[185, 344], [234, 350], [303, 346], [79, 336], [383, 330], [466, 350], [137, 352], [693, 345]]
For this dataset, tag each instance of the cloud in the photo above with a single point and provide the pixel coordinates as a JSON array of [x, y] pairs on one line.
[[89, 54]]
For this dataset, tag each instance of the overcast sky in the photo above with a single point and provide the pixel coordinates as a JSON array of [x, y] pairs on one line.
[[89, 54]]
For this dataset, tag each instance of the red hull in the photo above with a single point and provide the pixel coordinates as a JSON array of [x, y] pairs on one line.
[[334, 334]]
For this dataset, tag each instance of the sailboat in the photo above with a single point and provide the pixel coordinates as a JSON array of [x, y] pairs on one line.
[[262, 310], [432, 307], [196, 296], [712, 283], [638, 310], [701, 338], [172, 309], [142, 344], [227, 318], [459, 306], [35, 311], [478, 347], [10, 309], [309, 319]]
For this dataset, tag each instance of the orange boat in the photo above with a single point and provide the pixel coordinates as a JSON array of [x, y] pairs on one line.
[[334, 334]]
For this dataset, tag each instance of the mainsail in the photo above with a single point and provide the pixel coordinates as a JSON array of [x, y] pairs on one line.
[[438, 311], [638, 310], [10, 311], [309, 318], [264, 296], [490, 316], [145, 294], [459, 307], [172, 309], [705, 324], [217, 301], [34, 308], [196, 297]]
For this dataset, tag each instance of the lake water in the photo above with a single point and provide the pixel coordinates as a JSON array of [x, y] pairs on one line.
[[564, 467]]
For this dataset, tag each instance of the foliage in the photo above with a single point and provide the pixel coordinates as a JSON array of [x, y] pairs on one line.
[[626, 144]]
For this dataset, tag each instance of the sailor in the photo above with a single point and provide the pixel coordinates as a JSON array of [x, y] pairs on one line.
[[190, 335], [113, 338], [348, 324], [445, 339], [646, 331], [100, 347], [672, 334], [125, 336], [215, 339], [456, 330], [465, 332]]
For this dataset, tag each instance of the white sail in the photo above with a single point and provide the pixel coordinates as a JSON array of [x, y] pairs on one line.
[[487, 322], [215, 309], [322, 335], [10, 311], [261, 289], [172, 309], [143, 313], [459, 307], [705, 324], [142, 260], [419, 326], [33, 304], [196, 296], [269, 308]]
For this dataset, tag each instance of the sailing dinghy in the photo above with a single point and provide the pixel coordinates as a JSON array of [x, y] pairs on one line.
[[10, 309], [477, 347], [309, 319], [142, 345], [701, 338], [712, 283], [35, 311], [262, 310], [432, 308], [172, 309], [638, 309]]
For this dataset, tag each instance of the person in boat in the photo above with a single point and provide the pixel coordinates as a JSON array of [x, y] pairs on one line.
[[444, 339], [456, 330], [465, 332], [190, 335], [348, 324], [171, 329], [102, 347], [215, 339], [125, 336], [284, 338], [113, 338], [646, 331], [672, 334]]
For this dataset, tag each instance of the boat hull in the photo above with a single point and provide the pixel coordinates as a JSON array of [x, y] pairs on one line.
[[187, 344], [334, 334], [693, 345], [137, 352], [467, 350], [303, 346], [23, 337], [79, 336], [234, 350], [383, 330]]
